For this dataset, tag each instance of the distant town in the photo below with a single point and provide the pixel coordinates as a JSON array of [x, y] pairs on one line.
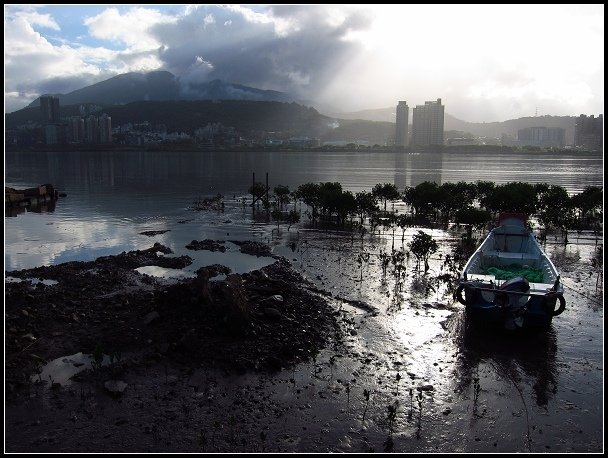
[[93, 128]]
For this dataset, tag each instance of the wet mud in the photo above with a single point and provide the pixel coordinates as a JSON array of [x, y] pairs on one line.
[[324, 350]]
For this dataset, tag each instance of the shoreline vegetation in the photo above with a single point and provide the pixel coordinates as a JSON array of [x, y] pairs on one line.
[[472, 205], [351, 147], [239, 364]]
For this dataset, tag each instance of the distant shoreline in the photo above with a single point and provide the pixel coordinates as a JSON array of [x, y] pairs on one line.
[[282, 149]]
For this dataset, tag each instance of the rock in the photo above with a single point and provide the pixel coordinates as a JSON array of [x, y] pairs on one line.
[[273, 363], [152, 233], [276, 298], [207, 244], [253, 248], [151, 317], [115, 386], [425, 388], [172, 380], [272, 313], [189, 341]]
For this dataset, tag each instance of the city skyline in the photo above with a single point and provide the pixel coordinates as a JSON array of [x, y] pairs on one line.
[[349, 58]]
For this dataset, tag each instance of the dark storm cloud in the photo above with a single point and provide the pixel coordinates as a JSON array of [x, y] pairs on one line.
[[218, 42]]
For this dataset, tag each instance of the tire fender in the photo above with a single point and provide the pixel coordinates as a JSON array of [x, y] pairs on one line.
[[458, 295], [550, 300], [562, 305]]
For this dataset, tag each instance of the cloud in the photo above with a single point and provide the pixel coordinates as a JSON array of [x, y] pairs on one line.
[[35, 66], [350, 56], [131, 28], [29, 14], [24, 46], [295, 49], [291, 49]]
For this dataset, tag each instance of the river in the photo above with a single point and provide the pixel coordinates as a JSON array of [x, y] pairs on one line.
[[114, 196], [539, 394]]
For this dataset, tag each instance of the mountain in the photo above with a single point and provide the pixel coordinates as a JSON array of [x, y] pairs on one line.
[[373, 125], [160, 86], [357, 131], [479, 129], [511, 126]]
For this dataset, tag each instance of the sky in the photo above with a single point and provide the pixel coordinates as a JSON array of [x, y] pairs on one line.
[[486, 62]]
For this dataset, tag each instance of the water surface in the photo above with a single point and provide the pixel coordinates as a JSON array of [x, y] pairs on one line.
[[114, 196]]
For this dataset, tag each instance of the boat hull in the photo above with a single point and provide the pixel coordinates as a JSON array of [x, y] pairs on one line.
[[496, 308], [509, 281]]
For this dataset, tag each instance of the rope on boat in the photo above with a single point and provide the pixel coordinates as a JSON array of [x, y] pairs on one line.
[[582, 294]]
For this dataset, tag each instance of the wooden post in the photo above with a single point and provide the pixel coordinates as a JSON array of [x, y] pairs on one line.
[[267, 187], [252, 192]]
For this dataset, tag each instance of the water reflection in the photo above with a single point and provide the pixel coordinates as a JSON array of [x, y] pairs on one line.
[[411, 169], [13, 211], [515, 358], [61, 370]]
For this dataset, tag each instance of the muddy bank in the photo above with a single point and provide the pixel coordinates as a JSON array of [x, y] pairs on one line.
[[393, 366], [263, 320]]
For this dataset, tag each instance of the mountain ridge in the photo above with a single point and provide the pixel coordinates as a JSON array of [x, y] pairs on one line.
[[163, 86]]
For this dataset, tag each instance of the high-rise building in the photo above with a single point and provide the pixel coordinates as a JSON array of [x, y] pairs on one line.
[[403, 112], [91, 130], [75, 130], [427, 124], [105, 129], [541, 136], [49, 106], [589, 132]]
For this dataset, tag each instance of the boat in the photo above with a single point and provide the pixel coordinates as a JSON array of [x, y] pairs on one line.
[[509, 281]]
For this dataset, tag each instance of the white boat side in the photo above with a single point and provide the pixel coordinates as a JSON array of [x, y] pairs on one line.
[[511, 244]]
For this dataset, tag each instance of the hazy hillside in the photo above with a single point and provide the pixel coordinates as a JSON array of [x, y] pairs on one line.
[[486, 129], [33, 114], [375, 114], [510, 127], [359, 130], [186, 116]]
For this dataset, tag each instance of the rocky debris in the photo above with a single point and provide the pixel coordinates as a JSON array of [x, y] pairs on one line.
[[273, 299], [115, 386], [425, 388], [272, 313], [255, 321], [152, 233], [213, 270], [209, 203], [236, 324], [150, 317], [254, 248], [206, 244]]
